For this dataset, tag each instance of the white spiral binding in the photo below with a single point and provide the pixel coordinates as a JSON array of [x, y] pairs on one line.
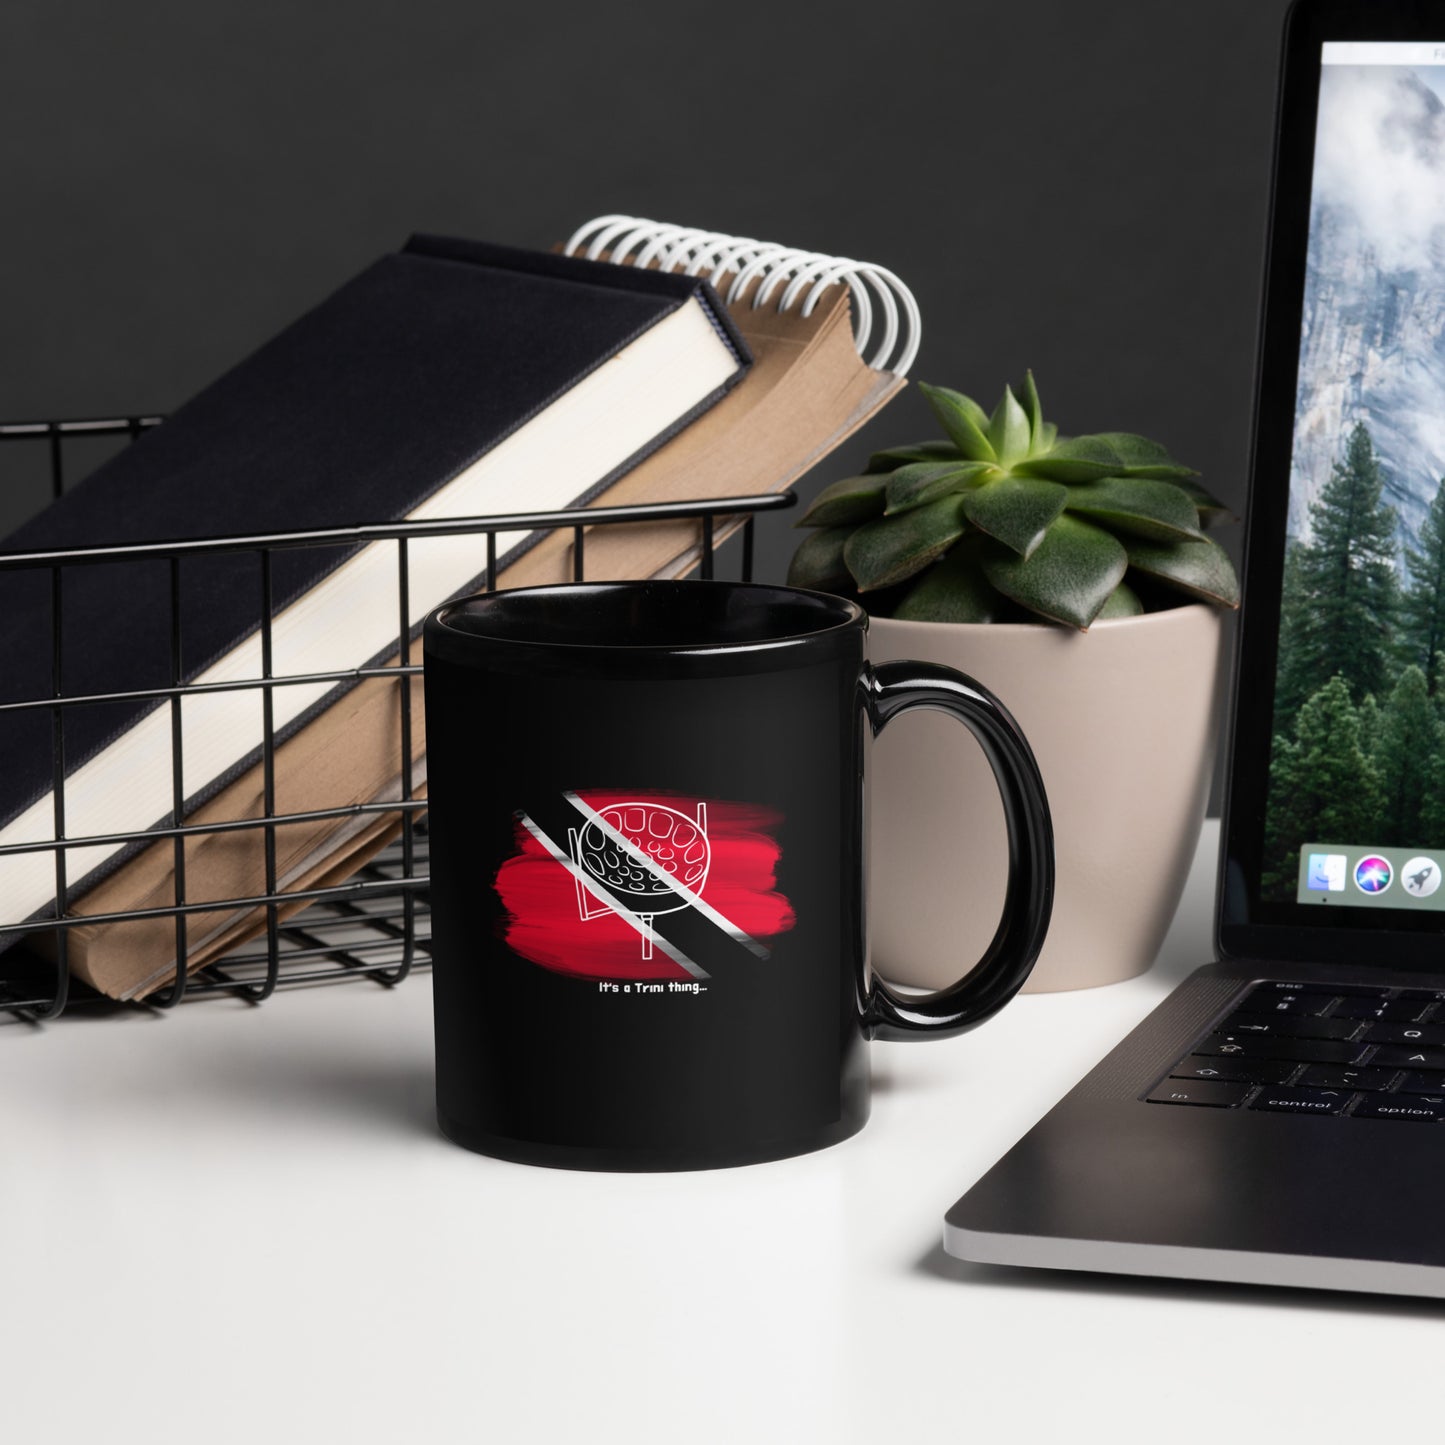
[[808, 274]]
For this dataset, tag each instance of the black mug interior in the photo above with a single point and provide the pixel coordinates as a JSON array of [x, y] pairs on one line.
[[666, 614]]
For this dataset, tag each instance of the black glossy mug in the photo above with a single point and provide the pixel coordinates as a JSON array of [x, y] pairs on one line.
[[646, 812]]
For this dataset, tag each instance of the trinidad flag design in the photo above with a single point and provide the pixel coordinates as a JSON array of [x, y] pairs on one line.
[[613, 885]]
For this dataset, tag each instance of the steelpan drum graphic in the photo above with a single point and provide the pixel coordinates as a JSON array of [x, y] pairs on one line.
[[662, 844]]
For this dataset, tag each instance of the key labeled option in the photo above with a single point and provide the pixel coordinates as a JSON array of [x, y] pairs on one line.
[[1394, 1106]]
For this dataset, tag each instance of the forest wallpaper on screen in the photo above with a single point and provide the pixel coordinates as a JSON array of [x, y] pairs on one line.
[[1358, 754]]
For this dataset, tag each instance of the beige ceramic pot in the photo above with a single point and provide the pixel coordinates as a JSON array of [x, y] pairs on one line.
[[1122, 721]]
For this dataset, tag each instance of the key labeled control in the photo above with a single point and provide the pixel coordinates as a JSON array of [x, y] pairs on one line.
[[1302, 1101]]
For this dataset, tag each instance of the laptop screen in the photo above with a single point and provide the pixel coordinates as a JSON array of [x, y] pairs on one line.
[[1355, 809]]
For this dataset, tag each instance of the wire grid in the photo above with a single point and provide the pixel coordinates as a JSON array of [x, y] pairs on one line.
[[377, 924]]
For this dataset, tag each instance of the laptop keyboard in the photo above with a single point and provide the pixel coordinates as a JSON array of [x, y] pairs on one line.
[[1300, 1048]]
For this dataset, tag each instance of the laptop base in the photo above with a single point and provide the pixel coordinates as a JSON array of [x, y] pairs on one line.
[[1109, 1182]]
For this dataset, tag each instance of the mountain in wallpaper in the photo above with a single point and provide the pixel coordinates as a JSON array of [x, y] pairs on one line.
[[1373, 342]]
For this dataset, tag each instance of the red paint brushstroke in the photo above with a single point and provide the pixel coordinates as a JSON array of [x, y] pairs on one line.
[[540, 895]]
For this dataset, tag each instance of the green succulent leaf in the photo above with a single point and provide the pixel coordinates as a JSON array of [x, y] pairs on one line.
[[1009, 432], [923, 482], [818, 563], [854, 499], [953, 590], [1050, 526], [1201, 568], [963, 419], [1140, 506], [970, 408], [1143, 458], [1105, 454], [1016, 511], [1123, 602], [1070, 575], [891, 457], [1077, 459], [1211, 510], [1035, 409], [893, 549]]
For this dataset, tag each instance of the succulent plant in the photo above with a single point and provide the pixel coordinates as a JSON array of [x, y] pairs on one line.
[[1005, 520]]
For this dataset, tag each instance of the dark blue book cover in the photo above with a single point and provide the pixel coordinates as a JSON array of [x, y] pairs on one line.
[[357, 412]]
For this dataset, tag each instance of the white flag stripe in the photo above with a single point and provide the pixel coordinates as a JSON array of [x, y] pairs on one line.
[[626, 914], [693, 900]]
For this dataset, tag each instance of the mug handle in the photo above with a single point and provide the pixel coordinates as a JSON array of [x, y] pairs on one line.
[[898, 687]]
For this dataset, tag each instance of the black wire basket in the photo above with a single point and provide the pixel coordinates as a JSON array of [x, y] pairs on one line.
[[376, 924]]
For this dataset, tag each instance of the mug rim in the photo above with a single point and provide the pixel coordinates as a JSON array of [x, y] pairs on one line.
[[847, 616]]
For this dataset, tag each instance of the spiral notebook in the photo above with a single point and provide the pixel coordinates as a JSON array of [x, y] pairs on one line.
[[831, 340]]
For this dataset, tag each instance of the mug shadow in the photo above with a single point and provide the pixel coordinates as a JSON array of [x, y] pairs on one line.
[[938, 1264], [395, 1096], [893, 1081]]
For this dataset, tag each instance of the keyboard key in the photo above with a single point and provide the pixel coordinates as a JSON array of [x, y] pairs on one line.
[[1249, 1071], [1320, 1049], [1265, 1046], [1331, 1076], [1400, 1010], [1286, 1027], [1423, 1034], [1208, 1093], [1302, 1101], [1323, 990], [1399, 1106], [1285, 1003], [1403, 1056]]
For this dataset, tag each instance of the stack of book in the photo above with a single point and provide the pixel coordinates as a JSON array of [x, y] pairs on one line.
[[449, 380]]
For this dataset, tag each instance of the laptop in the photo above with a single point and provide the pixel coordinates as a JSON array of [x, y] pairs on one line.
[[1280, 1118]]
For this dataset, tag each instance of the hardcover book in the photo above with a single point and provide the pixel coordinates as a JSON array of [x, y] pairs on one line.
[[828, 352], [451, 379]]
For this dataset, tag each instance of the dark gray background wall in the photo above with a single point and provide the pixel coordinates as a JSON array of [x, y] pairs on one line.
[[1072, 185]]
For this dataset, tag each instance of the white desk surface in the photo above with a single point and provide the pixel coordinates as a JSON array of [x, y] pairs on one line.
[[237, 1224]]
